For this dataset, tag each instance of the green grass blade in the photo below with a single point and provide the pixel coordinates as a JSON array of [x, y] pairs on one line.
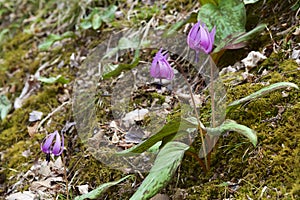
[[260, 93]]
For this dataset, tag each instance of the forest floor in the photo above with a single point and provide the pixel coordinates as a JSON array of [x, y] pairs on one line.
[[43, 45]]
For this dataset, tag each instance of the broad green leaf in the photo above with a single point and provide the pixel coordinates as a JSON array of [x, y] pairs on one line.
[[96, 21], [165, 165], [48, 42], [5, 106], [260, 93], [230, 125], [94, 194], [229, 17], [50, 80], [85, 24], [109, 14], [53, 38], [250, 1], [98, 16], [171, 128]]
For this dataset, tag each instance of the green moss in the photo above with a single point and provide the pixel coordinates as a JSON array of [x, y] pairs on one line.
[[20, 40], [14, 135]]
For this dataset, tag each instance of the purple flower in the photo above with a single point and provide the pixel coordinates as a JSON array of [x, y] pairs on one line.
[[56, 147], [200, 39], [160, 67]]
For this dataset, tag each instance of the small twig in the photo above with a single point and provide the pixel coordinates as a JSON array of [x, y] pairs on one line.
[[50, 114]]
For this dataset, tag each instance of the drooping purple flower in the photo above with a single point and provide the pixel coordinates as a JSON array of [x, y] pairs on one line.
[[49, 146], [200, 39], [160, 67]]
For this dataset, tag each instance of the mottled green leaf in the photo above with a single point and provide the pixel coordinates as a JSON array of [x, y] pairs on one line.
[[230, 125], [5, 106], [229, 17], [165, 165], [94, 194], [260, 93]]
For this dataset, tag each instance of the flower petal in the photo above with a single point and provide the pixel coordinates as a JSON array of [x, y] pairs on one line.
[[47, 142], [160, 67], [199, 38], [58, 145]]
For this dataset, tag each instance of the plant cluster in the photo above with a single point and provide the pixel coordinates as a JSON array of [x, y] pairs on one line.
[[220, 26]]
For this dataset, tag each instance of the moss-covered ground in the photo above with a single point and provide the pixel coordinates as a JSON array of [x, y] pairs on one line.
[[271, 170]]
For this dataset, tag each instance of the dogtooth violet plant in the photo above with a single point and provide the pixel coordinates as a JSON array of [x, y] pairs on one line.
[[172, 151], [53, 143], [226, 32]]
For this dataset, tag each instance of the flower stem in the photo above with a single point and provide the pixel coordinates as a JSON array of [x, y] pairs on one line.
[[198, 159], [65, 175], [212, 94], [200, 125]]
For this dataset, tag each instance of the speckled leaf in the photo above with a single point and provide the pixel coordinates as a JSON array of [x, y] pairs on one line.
[[94, 194], [230, 125], [229, 17], [260, 93], [165, 165]]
